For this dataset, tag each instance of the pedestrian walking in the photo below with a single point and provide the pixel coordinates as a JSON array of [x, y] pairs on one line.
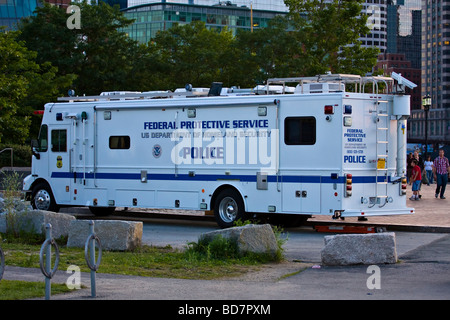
[[416, 178], [429, 169], [441, 169]]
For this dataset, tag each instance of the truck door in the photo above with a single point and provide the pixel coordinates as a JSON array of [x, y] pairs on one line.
[[59, 162], [301, 185]]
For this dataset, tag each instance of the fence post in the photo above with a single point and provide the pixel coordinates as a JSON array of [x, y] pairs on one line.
[[46, 267], [90, 259]]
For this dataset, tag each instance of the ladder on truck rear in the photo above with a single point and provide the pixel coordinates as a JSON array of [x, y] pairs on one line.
[[382, 152]]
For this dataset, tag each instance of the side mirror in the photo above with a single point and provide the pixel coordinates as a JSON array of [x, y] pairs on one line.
[[34, 148]]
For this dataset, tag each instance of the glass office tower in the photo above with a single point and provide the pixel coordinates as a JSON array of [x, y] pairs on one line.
[[436, 69], [11, 11]]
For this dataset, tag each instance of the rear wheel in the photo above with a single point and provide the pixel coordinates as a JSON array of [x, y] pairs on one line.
[[42, 198], [228, 208]]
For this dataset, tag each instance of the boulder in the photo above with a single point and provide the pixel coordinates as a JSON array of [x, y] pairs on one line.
[[352, 249], [34, 221], [116, 235], [250, 238]]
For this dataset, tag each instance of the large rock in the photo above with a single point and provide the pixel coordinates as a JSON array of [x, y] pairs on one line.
[[114, 235], [351, 249], [34, 221], [250, 238]]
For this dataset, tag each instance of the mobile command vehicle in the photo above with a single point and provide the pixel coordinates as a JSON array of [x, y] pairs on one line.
[[322, 147]]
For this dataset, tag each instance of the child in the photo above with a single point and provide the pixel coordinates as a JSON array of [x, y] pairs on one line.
[[416, 178]]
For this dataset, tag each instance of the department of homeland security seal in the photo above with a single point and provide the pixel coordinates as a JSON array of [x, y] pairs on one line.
[[157, 150]]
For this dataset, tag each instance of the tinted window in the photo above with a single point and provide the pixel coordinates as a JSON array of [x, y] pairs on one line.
[[300, 131], [43, 139], [59, 140], [119, 142]]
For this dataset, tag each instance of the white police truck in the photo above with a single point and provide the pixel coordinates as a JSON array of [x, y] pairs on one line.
[[322, 147]]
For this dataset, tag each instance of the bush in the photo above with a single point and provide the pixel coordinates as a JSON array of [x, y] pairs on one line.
[[219, 248], [21, 156]]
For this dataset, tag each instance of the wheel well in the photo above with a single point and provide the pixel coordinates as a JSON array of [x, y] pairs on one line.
[[38, 181], [219, 190]]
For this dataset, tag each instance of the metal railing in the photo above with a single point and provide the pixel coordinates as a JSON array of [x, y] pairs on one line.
[[12, 155]]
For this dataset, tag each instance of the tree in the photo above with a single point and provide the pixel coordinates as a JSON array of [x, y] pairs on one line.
[[328, 31], [15, 66], [193, 54], [24, 86], [269, 52], [99, 54]]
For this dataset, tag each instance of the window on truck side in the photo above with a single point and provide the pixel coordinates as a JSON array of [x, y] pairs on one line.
[[59, 140], [119, 142], [300, 130], [43, 139]]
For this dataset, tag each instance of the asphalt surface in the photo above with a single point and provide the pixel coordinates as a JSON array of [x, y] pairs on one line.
[[423, 272]]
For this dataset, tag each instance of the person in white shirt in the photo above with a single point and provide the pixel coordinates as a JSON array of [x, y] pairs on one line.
[[429, 169]]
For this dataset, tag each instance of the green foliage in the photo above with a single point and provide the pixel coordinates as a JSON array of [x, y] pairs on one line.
[[219, 248], [21, 155], [193, 54], [16, 65], [101, 57], [328, 32], [20, 290], [24, 86]]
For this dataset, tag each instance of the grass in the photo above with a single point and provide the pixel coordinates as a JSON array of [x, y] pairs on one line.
[[146, 261], [19, 290]]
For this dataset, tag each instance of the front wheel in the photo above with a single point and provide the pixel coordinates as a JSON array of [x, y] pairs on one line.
[[42, 198], [228, 208]]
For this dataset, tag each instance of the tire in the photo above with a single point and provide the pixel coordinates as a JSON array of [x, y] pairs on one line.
[[42, 198], [229, 208], [102, 211]]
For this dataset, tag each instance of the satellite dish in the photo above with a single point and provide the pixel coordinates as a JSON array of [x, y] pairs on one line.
[[402, 81]]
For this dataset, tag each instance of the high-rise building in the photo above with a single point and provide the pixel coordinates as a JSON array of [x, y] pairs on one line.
[[435, 71], [153, 17], [11, 11], [377, 22]]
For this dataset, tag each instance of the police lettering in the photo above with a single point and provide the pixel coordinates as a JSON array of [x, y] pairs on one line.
[[354, 159], [203, 152]]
